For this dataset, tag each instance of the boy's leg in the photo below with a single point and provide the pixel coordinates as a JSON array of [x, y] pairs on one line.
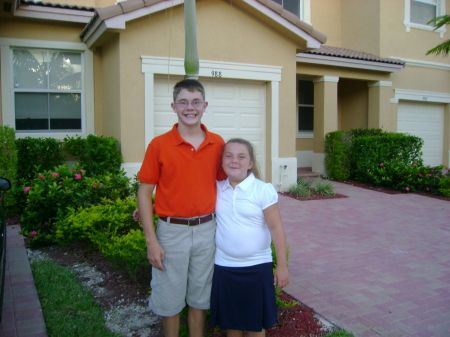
[[196, 321], [171, 325]]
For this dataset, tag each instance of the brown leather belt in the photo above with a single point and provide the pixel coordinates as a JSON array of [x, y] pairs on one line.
[[188, 221]]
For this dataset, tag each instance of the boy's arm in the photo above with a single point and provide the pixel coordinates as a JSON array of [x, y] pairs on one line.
[[273, 220], [155, 253]]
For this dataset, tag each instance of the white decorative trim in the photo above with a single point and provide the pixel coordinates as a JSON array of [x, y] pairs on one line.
[[305, 134], [87, 113], [349, 63], [379, 84], [51, 13], [334, 79], [424, 64], [306, 11], [394, 100], [152, 66], [422, 96]]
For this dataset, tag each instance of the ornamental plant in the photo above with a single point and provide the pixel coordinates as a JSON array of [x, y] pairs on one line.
[[8, 162], [406, 178], [48, 196]]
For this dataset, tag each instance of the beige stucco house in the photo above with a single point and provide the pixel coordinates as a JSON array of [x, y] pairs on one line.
[[280, 73]]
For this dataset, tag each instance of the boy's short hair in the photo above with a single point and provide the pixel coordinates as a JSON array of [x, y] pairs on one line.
[[190, 85]]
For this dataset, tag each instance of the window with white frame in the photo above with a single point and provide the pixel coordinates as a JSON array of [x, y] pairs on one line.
[[305, 109], [419, 12], [48, 89]]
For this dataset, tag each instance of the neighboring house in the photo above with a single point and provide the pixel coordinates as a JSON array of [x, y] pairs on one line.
[[93, 66]]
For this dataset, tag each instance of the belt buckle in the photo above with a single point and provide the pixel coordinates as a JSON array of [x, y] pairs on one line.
[[193, 219]]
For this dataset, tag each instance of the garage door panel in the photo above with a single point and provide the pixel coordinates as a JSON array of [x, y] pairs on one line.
[[426, 121]]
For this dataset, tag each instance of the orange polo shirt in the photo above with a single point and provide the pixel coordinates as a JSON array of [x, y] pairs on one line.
[[185, 177]]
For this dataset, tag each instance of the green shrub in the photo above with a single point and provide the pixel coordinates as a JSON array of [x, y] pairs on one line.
[[300, 190], [128, 251], [323, 187], [51, 193], [337, 160], [98, 155], [97, 224], [37, 155], [406, 178], [444, 187], [8, 162], [368, 152]]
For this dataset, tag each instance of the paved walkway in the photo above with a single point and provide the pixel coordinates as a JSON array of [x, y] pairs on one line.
[[22, 314], [373, 264]]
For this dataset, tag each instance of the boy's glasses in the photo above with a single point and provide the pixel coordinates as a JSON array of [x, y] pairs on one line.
[[185, 104]]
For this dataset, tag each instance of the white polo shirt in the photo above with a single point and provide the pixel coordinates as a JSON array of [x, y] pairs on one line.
[[242, 236]]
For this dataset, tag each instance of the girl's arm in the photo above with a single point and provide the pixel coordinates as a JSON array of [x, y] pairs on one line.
[[273, 220]]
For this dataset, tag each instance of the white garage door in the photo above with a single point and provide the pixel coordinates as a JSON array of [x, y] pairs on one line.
[[426, 121], [236, 109]]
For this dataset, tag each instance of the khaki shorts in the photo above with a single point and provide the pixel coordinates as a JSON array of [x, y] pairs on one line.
[[189, 265]]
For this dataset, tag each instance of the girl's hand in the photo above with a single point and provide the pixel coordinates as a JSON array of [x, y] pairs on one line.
[[281, 277]]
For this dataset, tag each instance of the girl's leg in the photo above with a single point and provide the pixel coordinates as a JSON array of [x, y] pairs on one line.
[[256, 334], [235, 333]]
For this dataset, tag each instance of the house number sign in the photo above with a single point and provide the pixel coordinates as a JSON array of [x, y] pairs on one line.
[[215, 73]]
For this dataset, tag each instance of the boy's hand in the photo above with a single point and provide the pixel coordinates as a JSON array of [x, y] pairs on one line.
[[155, 255], [281, 277], [136, 216]]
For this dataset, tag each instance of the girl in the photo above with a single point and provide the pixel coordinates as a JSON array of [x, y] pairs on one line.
[[248, 217]]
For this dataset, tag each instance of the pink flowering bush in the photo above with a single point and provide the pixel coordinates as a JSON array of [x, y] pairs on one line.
[[47, 198], [407, 178]]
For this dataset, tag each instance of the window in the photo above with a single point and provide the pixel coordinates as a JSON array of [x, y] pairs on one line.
[[419, 12], [423, 11], [292, 6], [47, 89], [305, 115]]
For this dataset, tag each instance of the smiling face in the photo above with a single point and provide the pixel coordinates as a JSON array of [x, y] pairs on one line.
[[189, 115], [236, 162]]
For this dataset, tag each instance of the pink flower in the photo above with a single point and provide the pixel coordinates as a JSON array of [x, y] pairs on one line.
[[60, 183], [407, 188], [26, 189], [1, 199], [41, 176], [432, 170], [82, 171], [428, 188], [54, 174], [381, 164], [429, 175], [77, 176], [420, 175], [94, 186], [414, 164], [74, 170], [33, 233], [436, 176]]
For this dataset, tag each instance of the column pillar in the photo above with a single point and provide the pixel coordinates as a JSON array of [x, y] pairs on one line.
[[380, 117], [325, 117]]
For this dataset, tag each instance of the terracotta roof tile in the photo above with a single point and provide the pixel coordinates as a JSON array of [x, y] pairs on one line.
[[56, 5], [352, 54]]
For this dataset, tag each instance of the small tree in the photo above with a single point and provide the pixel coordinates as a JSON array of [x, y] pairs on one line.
[[444, 47]]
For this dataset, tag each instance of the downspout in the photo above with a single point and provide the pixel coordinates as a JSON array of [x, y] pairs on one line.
[[191, 62]]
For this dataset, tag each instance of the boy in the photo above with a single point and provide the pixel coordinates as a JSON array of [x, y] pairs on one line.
[[184, 163]]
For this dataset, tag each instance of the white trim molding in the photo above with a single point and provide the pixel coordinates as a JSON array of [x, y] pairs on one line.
[[87, 110], [422, 96], [152, 66], [52, 13], [379, 84], [424, 64], [334, 79]]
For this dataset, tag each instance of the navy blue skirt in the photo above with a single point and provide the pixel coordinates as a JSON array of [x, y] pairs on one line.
[[243, 298]]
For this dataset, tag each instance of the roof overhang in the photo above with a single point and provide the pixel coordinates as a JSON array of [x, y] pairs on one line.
[[110, 19], [348, 62], [51, 13]]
